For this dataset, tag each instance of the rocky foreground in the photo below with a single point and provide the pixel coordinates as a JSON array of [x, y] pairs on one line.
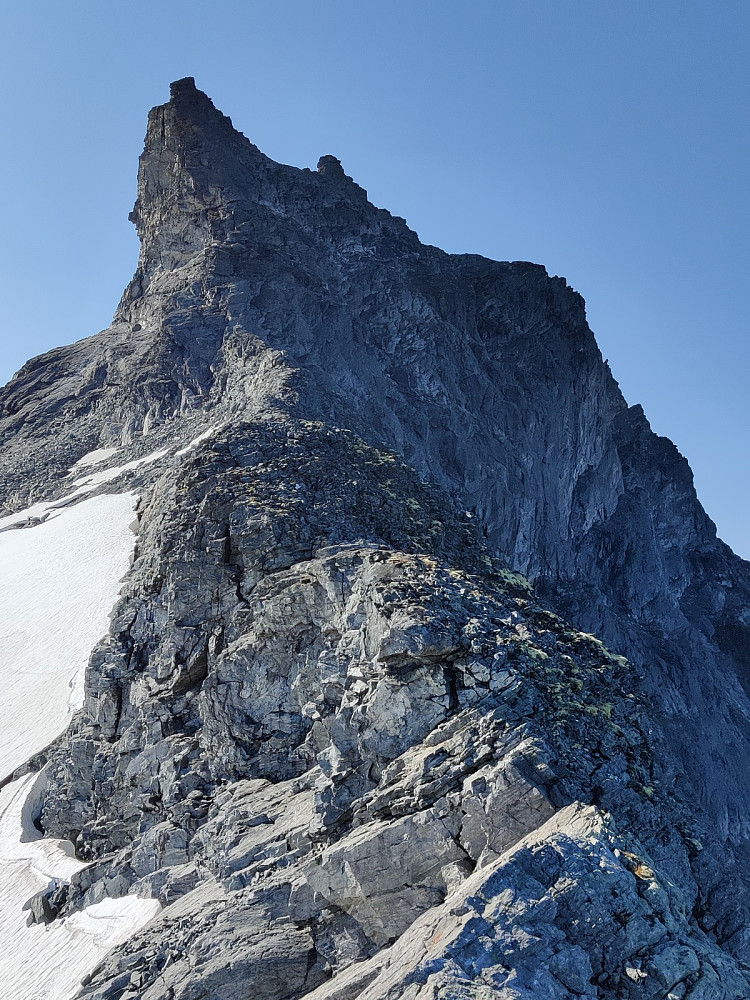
[[333, 730]]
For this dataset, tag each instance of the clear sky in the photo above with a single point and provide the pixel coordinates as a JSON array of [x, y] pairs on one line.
[[606, 139]]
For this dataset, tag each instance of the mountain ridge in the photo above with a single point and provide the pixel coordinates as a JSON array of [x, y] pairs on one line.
[[329, 397]]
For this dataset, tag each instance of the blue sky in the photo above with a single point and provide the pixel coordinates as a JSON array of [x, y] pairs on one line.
[[606, 139]]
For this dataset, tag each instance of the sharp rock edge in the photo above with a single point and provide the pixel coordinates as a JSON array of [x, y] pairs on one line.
[[331, 729]]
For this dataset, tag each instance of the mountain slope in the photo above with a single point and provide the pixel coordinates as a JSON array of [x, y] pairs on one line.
[[346, 749]]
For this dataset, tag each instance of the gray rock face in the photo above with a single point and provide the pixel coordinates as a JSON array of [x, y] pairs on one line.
[[350, 752]]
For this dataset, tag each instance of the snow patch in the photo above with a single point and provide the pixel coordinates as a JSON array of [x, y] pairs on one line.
[[21, 518], [46, 509], [48, 962], [107, 475], [60, 580], [201, 437], [95, 457]]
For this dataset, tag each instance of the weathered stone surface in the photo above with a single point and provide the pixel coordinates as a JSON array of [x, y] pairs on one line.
[[526, 927], [350, 752]]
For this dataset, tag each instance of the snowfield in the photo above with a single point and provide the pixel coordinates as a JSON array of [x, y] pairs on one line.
[[60, 580], [48, 962], [95, 457], [92, 479], [85, 484]]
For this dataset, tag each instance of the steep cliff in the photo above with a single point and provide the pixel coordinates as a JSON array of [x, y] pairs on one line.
[[331, 729]]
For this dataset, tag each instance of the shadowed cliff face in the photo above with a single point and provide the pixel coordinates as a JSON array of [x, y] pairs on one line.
[[277, 309]]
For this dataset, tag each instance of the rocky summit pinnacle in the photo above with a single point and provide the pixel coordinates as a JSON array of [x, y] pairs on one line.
[[429, 675]]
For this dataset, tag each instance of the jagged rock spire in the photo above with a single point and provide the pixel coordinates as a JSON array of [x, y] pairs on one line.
[[331, 166], [188, 167], [200, 180]]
